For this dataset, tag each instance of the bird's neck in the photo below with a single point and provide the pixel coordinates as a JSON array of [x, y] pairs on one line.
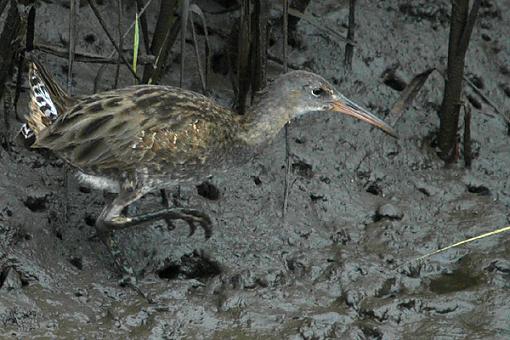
[[263, 121]]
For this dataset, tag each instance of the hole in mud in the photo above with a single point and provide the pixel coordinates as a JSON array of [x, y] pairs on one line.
[[76, 262], [392, 79], [479, 190], [90, 220], [85, 190], [192, 266], [374, 189], [302, 169], [371, 333], [89, 38], [256, 180], [36, 203], [170, 272], [395, 83], [209, 191]]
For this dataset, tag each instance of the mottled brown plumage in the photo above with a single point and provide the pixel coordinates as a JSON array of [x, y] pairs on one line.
[[141, 138]]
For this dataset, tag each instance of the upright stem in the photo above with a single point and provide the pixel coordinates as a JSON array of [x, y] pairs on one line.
[[349, 47], [460, 33]]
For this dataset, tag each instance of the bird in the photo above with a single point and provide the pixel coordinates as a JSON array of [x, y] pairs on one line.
[[142, 138]]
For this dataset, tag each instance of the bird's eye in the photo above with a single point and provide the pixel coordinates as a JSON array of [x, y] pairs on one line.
[[317, 92]]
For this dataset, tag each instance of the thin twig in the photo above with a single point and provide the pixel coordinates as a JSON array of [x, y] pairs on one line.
[[286, 130], [119, 30], [286, 188], [486, 99], [100, 72], [202, 72], [72, 45], [468, 155], [285, 33], [184, 23], [99, 17], [85, 57]]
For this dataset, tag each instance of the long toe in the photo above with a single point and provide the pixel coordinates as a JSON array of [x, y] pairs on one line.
[[203, 219]]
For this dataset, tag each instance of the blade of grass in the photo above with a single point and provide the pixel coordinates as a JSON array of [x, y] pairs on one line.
[[409, 94], [479, 237], [136, 42], [97, 13]]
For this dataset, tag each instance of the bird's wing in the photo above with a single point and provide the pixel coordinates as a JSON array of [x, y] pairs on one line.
[[140, 126]]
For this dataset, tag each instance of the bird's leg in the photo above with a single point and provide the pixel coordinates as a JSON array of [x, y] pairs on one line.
[[176, 202], [190, 216], [105, 227], [177, 197], [164, 201], [111, 219]]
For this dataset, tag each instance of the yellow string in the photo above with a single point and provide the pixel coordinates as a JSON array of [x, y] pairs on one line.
[[495, 232]]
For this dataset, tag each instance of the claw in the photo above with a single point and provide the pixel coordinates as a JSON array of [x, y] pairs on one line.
[[192, 228], [203, 219]]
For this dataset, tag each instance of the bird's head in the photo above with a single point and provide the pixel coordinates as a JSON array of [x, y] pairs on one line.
[[300, 92]]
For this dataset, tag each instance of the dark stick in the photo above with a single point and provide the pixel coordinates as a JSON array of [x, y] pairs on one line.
[[243, 57], [85, 57], [8, 35], [349, 47], [468, 28], [72, 46], [164, 37], [11, 29], [94, 8], [286, 130], [70, 61], [201, 72], [29, 46], [119, 29], [461, 26], [468, 155], [184, 23], [285, 33], [260, 45], [198, 11]]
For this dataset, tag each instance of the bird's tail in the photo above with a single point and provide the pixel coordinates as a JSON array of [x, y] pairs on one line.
[[47, 100]]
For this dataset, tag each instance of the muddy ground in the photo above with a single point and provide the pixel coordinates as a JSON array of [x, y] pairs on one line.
[[361, 205]]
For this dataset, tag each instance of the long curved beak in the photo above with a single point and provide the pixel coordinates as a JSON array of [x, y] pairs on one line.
[[348, 107]]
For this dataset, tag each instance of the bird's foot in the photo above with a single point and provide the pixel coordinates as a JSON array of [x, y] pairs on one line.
[[192, 217]]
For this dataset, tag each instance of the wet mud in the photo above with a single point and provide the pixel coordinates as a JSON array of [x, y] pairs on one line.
[[361, 205]]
